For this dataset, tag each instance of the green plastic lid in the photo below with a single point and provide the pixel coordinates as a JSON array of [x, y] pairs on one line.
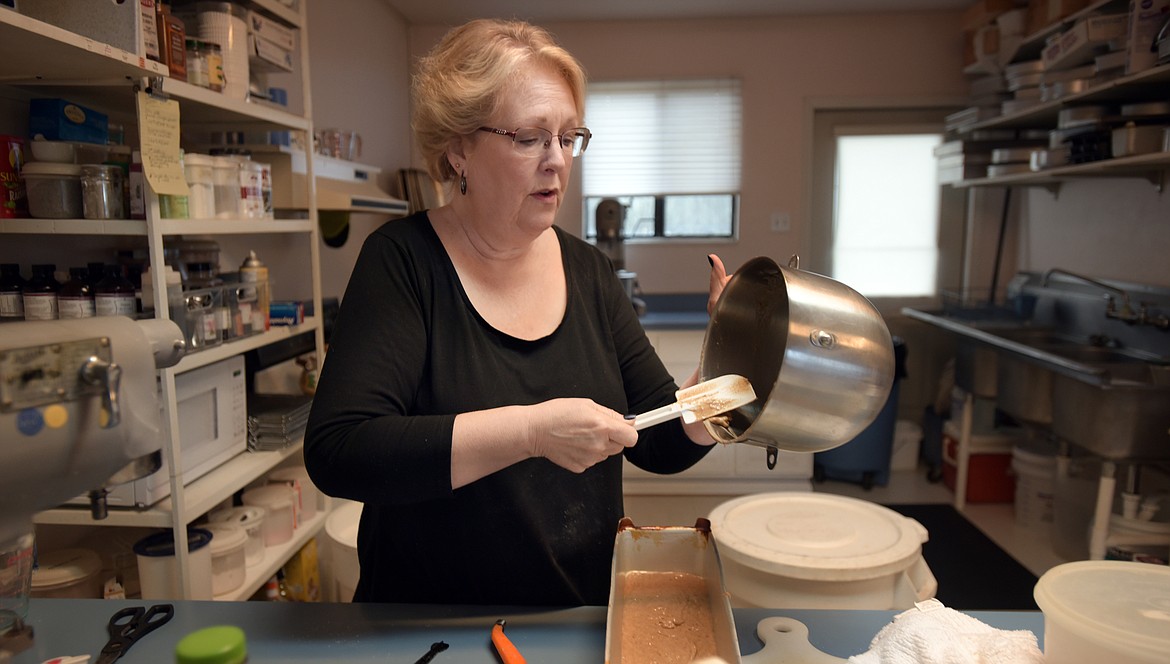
[[223, 644]]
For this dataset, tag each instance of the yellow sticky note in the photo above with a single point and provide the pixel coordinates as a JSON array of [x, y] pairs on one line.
[[158, 132]]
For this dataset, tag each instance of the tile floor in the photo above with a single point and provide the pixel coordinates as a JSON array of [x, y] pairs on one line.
[[1032, 548]]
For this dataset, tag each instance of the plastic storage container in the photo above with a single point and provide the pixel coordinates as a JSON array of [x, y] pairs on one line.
[[226, 176], [297, 479], [279, 515], [199, 172], [341, 526], [1105, 611], [158, 569], [53, 190], [228, 558], [69, 573], [818, 551], [251, 519]]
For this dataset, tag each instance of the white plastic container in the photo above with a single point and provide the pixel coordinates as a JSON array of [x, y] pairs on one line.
[[342, 528], [69, 573], [158, 572], [818, 551], [53, 190], [226, 178], [279, 516], [228, 560], [199, 172], [1105, 611], [1035, 471], [250, 518], [297, 479]]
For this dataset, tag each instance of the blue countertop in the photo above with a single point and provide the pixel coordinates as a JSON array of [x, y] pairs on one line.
[[341, 633]]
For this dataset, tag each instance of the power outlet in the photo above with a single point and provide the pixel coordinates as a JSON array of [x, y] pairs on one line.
[[781, 222]]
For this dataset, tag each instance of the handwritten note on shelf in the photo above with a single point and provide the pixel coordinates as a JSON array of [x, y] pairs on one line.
[[159, 137]]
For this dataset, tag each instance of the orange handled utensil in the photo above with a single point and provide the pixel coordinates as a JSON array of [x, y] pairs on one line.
[[508, 652]]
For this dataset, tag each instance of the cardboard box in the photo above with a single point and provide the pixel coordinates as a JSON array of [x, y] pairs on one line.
[[1084, 41], [61, 120], [1146, 18], [984, 12], [271, 31], [267, 56]]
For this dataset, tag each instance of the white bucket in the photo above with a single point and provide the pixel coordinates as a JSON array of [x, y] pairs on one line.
[[1105, 611], [280, 517], [304, 490], [158, 569], [70, 573], [342, 528], [799, 550], [1035, 473]]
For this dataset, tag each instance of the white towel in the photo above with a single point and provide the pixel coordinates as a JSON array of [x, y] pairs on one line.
[[931, 633]]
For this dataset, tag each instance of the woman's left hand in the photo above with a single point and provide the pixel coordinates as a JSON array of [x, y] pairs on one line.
[[719, 279]]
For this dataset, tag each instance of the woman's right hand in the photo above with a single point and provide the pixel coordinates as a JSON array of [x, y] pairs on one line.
[[577, 434]]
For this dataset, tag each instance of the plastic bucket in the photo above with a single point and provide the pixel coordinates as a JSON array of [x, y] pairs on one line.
[[228, 561], [280, 518], [69, 573], [158, 569], [341, 526], [819, 551], [1035, 473], [1105, 611], [251, 519], [297, 477]]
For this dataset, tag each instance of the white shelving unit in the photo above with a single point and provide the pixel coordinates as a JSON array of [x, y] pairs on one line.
[[39, 59]]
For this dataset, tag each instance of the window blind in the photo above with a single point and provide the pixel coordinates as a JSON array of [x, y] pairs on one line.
[[663, 137]]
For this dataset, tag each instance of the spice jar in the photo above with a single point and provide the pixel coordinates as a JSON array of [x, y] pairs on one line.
[[101, 191], [40, 293], [114, 294], [76, 297], [11, 292]]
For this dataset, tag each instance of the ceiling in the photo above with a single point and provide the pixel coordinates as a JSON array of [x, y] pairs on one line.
[[449, 12]]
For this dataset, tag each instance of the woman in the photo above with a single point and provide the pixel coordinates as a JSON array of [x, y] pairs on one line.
[[483, 360]]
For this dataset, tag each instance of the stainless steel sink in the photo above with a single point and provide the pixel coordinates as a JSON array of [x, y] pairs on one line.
[[1126, 418]]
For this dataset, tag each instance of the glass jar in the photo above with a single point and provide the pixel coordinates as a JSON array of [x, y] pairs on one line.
[[76, 297], [40, 293], [196, 63], [11, 292], [114, 294], [101, 191]]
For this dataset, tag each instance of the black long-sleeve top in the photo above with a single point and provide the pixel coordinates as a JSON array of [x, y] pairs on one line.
[[408, 353]]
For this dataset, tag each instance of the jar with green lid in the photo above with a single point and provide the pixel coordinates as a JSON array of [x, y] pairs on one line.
[[222, 644]]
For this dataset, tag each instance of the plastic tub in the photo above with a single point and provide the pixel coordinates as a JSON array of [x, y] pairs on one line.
[[59, 152], [818, 551], [297, 478], [53, 190], [1035, 470], [199, 172], [158, 572], [68, 573], [228, 560], [279, 515], [1105, 611], [251, 519], [342, 528]]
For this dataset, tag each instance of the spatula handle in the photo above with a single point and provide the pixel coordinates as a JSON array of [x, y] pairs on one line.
[[657, 416]]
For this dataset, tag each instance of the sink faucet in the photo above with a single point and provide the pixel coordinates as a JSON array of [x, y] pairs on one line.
[[1124, 313]]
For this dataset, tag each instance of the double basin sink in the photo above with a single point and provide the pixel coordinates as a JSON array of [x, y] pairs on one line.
[[1113, 402]]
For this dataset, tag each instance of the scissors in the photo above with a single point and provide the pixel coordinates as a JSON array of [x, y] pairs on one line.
[[131, 624]]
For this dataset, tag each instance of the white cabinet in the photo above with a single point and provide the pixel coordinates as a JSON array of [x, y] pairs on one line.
[[43, 60], [727, 469]]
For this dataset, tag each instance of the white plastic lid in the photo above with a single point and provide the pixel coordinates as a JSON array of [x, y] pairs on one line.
[[65, 567], [269, 496], [1122, 605], [247, 516], [50, 169], [196, 159], [226, 537], [819, 537]]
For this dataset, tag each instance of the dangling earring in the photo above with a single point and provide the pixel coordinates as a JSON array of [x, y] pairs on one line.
[[463, 183]]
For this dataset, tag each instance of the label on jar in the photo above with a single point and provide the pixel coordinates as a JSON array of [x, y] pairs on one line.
[[40, 306], [76, 307], [11, 305], [115, 304]]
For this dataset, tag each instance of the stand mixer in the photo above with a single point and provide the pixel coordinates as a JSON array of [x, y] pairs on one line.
[[79, 411], [608, 219]]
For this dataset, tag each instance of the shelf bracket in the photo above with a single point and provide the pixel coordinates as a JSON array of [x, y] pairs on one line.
[[1158, 179]]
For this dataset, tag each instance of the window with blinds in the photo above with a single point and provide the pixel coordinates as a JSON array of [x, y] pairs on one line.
[[669, 152]]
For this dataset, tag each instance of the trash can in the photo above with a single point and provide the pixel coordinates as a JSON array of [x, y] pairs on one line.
[[866, 459]]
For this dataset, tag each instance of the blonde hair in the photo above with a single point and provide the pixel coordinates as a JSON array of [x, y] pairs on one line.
[[458, 85]]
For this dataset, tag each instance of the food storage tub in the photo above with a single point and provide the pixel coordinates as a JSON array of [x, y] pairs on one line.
[[804, 550], [297, 479], [668, 574], [158, 569], [1105, 611], [53, 190], [279, 516], [228, 560], [69, 573], [251, 519]]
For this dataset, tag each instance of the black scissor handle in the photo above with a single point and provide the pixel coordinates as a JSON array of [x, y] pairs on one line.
[[134, 622]]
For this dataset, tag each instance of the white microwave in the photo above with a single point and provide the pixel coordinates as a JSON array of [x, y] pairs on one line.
[[213, 427]]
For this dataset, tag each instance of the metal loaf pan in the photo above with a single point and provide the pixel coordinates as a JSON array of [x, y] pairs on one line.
[[689, 550]]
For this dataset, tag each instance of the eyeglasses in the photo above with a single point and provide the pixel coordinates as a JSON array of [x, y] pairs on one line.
[[533, 141]]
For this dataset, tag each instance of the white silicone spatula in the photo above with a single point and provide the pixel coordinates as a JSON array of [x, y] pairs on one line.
[[707, 399]]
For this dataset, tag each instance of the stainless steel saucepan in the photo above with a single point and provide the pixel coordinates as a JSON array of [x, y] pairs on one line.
[[817, 353]]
